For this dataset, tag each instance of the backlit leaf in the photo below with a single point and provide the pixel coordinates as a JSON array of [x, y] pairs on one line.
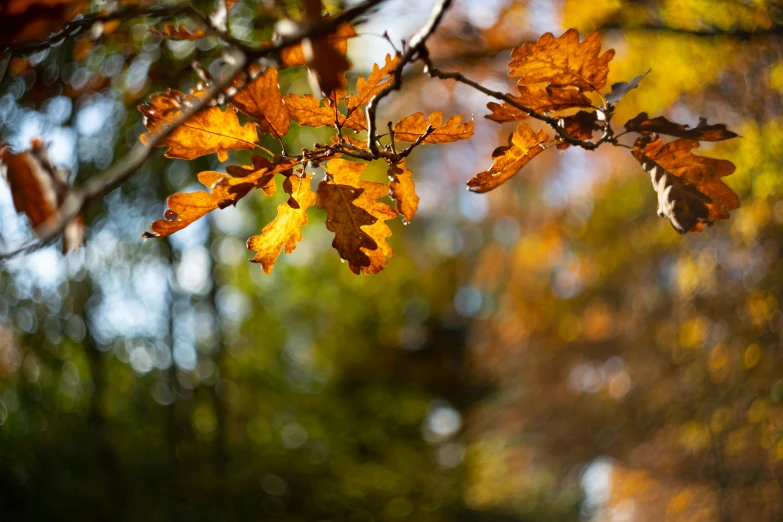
[[378, 79], [285, 230], [563, 61], [209, 130], [262, 102], [403, 190], [523, 145], [689, 187], [356, 217], [412, 127], [185, 208], [307, 110]]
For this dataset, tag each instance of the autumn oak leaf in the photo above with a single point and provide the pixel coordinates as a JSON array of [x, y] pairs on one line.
[[208, 131], [523, 145], [412, 127], [689, 187], [185, 208], [563, 61], [660, 125], [285, 231], [356, 217], [403, 190], [262, 102]]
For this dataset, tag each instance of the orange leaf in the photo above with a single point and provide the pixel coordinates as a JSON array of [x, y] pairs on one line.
[[403, 190], [209, 130], [356, 217], [307, 110], [540, 100], [523, 145], [660, 125], [261, 101], [689, 187], [38, 189], [562, 61], [378, 79], [185, 208], [285, 229], [412, 127]]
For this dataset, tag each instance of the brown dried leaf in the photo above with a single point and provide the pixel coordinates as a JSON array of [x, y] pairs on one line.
[[580, 125], [689, 187], [185, 208], [285, 229], [38, 189], [209, 130], [702, 132], [562, 61], [412, 127], [356, 217], [403, 190], [523, 145], [262, 102]]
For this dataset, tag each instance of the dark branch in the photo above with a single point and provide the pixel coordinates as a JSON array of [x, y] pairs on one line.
[[416, 46]]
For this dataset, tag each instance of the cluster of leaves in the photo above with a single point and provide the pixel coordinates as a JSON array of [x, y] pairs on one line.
[[556, 75], [354, 212], [559, 83]]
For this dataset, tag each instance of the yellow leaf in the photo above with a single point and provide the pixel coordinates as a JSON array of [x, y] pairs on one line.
[[403, 190], [226, 189], [285, 230], [209, 130]]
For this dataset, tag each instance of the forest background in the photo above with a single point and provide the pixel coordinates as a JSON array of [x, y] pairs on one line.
[[551, 350]]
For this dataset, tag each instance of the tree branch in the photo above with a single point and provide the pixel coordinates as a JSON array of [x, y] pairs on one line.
[[416, 46], [554, 123], [237, 56]]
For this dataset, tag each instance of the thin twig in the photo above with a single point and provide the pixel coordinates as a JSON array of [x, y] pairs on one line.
[[434, 72], [237, 56], [416, 44], [112, 177]]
